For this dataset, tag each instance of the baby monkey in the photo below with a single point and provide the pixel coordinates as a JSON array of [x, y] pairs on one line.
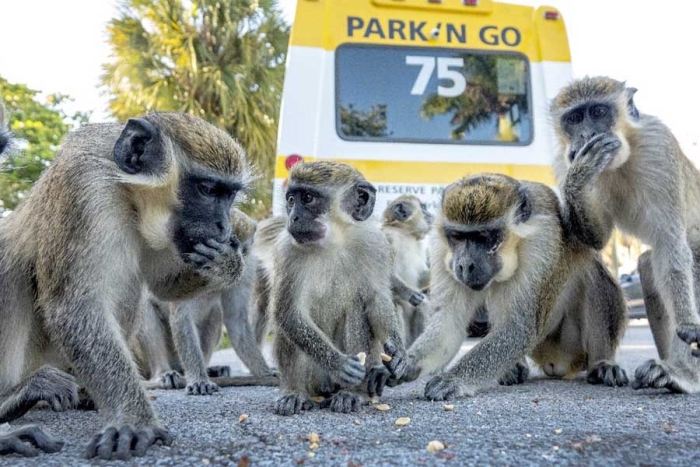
[[499, 242], [331, 290]]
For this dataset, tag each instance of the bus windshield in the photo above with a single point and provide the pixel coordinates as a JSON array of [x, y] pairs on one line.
[[432, 95]]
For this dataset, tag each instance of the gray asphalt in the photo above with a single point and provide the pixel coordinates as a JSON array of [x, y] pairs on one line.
[[541, 422]]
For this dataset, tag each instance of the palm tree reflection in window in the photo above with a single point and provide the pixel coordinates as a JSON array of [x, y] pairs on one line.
[[486, 100], [359, 123]]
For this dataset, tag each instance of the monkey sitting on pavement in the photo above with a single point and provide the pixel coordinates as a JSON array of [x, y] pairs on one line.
[[499, 242], [331, 290], [177, 339], [619, 167], [149, 202], [405, 223]]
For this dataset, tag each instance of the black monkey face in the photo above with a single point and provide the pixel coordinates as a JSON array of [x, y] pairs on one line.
[[586, 121], [306, 208], [475, 258], [204, 211]]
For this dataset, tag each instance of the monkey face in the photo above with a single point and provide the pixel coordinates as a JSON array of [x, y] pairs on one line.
[[306, 207], [585, 121], [204, 211], [475, 259]]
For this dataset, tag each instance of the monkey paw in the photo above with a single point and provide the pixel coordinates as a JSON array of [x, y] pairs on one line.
[[609, 374], [53, 386], [343, 402], [398, 364], [172, 380], [222, 261], [597, 153], [28, 441], [351, 372], [444, 388], [202, 388], [690, 334], [658, 375], [293, 404], [376, 380], [222, 371], [124, 442], [516, 375], [416, 298]]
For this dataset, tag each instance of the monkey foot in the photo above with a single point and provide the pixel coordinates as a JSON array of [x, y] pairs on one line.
[[28, 441], [609, 374], [343, 402], [690, 334], [444, 388], [293, 404], [660, 375], [202, 388], [222, 371], [516, 375], [124, 442], [172, 380]]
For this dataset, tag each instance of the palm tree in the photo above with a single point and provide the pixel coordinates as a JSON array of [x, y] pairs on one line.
[[222, 60]]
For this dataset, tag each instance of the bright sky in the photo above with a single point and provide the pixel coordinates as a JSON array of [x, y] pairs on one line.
[[58, 46]]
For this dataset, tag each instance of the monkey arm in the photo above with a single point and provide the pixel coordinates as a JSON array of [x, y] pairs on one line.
[[444, 333], [384, 323], [235, 302], [405, 292]]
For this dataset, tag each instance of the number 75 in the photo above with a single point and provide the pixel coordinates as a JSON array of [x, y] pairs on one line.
[[444, 71]]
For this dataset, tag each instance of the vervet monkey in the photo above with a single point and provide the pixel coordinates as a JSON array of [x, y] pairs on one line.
[[499, 242], [331, 290], [177, 339], [149, 202], [405, 222], [619, 167]]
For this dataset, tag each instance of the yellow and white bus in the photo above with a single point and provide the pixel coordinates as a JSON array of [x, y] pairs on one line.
[[417, 93]]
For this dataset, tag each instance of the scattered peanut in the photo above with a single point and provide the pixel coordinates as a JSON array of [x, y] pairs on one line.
[[374, 400], [312, 454], [385, 357], [694, 345], [382, 407], [242, 418], [403, 421], [318, 399], [313, 438], [449, 407], [362, 356], [313, 446], [435, 446], [357, 422], [558, 431]]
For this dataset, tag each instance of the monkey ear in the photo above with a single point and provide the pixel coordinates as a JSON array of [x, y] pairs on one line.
[[362, 205], [631, 108], [139, 149], [524, 206], [401, 211]]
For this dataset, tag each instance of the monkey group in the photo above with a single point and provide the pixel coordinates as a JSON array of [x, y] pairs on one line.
[[121, 267]]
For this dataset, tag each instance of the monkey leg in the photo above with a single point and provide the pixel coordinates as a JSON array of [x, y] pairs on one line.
[[235, 305], [417, 324], [296, 376], [28, 441], [659, 319], [48, 384], [516, 375], [604, 323], [189, 340], [219, 371], [343, 402], [261, 307]]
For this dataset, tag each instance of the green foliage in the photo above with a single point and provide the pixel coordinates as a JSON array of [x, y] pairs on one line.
[[41, 126], [371, 123], [221, 60]]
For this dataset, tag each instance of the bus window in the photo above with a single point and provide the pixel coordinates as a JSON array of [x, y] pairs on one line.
[[432, 95]]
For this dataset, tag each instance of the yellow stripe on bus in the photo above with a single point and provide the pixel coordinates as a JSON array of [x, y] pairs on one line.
[[327, 24], [441, 173]]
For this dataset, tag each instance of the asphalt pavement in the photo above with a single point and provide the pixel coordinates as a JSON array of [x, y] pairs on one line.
[[542, 422]]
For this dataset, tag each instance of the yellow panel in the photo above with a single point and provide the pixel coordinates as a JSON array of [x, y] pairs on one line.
[[491, 26], [433, 172]]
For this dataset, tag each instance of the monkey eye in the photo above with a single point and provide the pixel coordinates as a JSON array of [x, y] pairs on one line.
[[206, 189], [307, 198], [290, 201], [575, 117], [599, 111]]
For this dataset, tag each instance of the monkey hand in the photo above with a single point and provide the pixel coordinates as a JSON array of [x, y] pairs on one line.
[[593, 157], [218, 260], [349, 372], [416, 298], [123, 443], [399, 361], [690, 334], [202, 388], [444, 387], [379, 377], [20, 441]]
